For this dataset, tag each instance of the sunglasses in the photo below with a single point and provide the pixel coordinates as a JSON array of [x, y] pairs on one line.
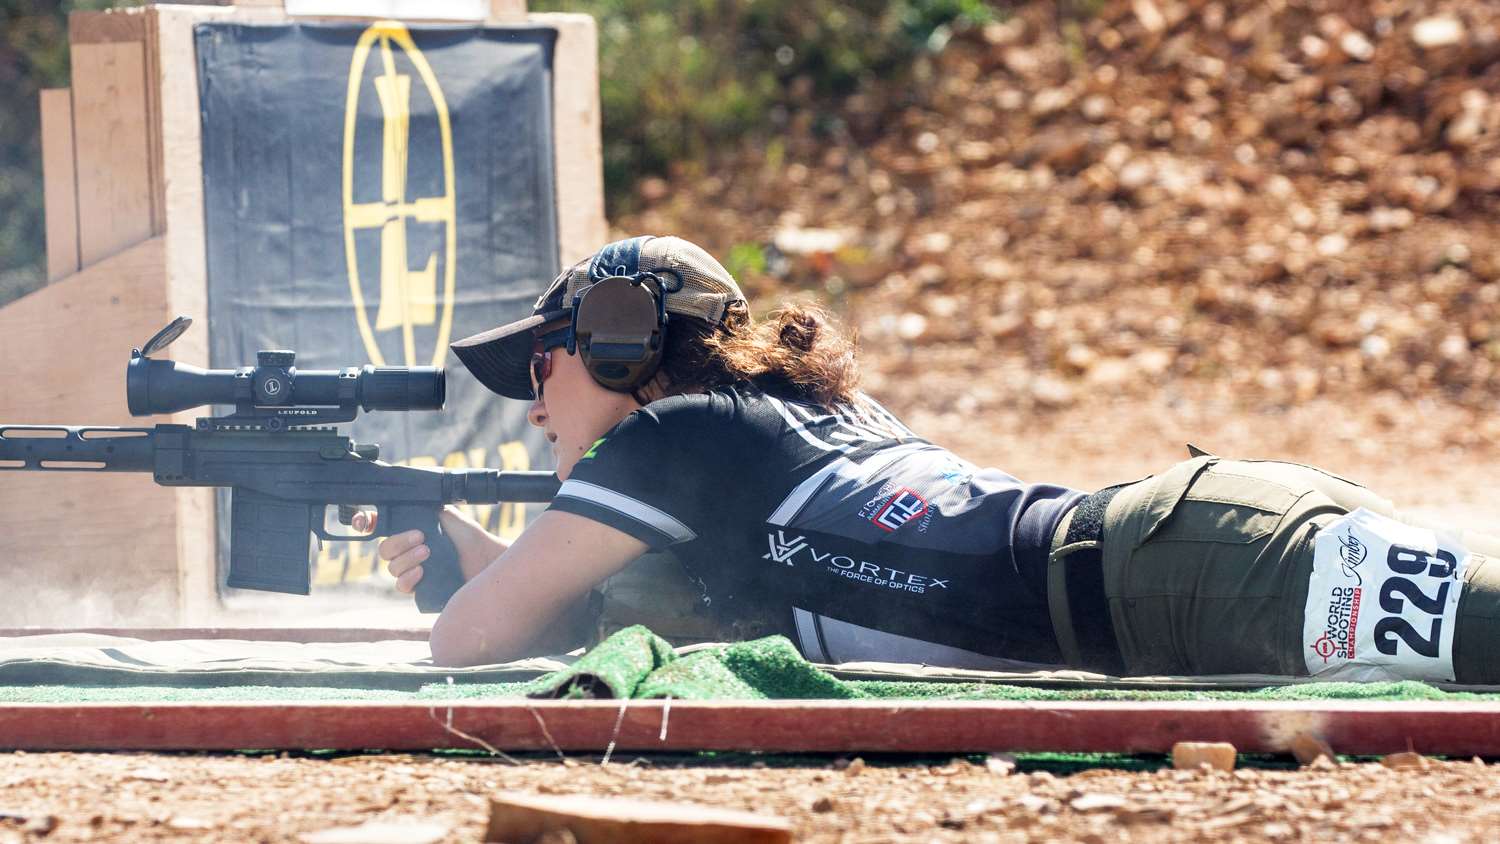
[[541, 359], [541, 367]]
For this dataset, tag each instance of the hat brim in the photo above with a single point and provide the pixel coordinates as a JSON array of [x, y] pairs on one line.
[[501, 357]]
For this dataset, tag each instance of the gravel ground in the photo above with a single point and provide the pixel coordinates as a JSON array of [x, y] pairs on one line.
[[137, 797]]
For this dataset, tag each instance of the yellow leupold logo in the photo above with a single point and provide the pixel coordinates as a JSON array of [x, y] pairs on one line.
[[408, 297]]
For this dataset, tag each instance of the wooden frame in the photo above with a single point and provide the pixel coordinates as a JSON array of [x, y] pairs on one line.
[[256, 634], [1355, 728]]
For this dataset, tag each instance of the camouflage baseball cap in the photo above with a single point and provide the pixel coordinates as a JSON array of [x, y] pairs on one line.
[[696, 284]]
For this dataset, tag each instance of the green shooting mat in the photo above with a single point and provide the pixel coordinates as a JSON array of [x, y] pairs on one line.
[[633, 663]]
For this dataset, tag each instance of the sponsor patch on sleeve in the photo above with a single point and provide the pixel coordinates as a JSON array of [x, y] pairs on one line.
[[1382, 602]]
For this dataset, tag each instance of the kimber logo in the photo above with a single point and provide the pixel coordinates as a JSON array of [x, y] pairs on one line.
[[409, 296], [785, 550], [1351, 554]]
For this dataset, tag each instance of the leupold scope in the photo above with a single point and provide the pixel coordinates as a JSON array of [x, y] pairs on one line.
[[274, 393]]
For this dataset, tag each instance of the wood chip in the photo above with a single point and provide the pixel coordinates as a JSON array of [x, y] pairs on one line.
[[592, 820], [1406, 761], [381, 832], [1188, 755], [1308, 748]]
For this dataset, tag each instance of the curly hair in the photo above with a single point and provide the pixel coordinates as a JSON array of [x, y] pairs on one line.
[[797, 353]]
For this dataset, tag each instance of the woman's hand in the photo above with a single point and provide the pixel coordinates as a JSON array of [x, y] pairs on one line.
[[405, 552]]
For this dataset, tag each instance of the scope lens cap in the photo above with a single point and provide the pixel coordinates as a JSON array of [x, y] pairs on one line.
[[164, 337]]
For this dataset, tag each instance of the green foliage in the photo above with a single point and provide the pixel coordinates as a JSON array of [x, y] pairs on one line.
[[680, 78], [745, 259]]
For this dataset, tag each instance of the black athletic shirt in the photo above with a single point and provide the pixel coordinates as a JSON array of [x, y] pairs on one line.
[[840, 529]]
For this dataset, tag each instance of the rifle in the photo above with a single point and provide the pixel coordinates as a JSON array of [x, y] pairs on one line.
[[287, 472]]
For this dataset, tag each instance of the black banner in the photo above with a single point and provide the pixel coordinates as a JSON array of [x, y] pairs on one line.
[[372, 193]]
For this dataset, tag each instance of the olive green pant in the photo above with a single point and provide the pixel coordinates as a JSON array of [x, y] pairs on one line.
[[1206, 569]]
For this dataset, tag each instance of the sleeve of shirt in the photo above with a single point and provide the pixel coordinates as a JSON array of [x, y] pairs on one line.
[[639, 479]]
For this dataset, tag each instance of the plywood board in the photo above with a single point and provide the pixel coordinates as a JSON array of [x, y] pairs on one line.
[[81, 548], [507, 11], [1354, 727], [60, 183], [112, 148], [114, 26], [107, 27], [185, 291], [255, 634], [455, 10], [576, 144]]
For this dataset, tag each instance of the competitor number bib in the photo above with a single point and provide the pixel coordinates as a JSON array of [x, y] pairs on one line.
[[1382, 602]]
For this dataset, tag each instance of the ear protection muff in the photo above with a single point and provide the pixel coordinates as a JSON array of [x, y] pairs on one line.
[[619, 326]]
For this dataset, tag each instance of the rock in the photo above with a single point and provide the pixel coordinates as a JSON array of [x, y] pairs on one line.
[[1356, 46], [1188, 755], [1001, 764], [795, 240], [910, 326], [1035, 804], [41, 825], [1098, 802], [1308, 748], [1374, 347], [1079, 358], [823, 804], [1332, 245], [149, 773], [1051, 392], [1149, 15], [1440, 31], [1050, 101]]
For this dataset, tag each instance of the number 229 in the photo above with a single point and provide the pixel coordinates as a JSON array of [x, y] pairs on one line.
[[1412, 561]]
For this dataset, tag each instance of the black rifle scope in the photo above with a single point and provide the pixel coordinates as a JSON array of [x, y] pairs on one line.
[[166, 386]]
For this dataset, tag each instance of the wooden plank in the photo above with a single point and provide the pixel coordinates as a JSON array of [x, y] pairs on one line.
[[252, 634], [138, 24], [156, 172], [615, 820], [107, 27], [507, 11], [1353, 727], [186, 287], [577, 146], [60, 183], [113, 150]]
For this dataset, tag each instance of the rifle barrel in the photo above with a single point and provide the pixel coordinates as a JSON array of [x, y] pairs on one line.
[[488, 486]]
